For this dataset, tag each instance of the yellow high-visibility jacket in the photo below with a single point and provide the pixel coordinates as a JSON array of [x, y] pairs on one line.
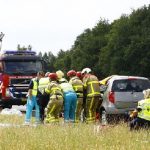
[[43, 83], [35, 87], [145, 109]]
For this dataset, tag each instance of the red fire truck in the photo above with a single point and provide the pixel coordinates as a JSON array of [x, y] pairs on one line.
[[17, 68]]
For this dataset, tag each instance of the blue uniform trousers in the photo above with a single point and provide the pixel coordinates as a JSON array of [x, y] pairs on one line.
[[29, 107], [70, 102]]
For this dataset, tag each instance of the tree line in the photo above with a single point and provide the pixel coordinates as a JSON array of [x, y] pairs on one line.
[[121, 47]]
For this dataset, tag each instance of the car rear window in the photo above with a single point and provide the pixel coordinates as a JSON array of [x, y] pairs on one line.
[[136, 85]]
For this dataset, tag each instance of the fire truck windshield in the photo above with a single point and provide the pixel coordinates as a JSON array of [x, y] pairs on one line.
[[22, 67]]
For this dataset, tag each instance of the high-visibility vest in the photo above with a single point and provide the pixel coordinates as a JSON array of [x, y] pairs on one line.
[[35, 86], [66, 87], [43, 83], [145, 109], [54, 89], [77, 85], [92, 85]]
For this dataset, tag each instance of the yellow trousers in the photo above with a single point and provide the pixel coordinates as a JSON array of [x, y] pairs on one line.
[[79, 109], [53, 109], [91, 106]]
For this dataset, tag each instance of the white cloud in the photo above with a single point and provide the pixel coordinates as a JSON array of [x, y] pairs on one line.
[[55, 24]]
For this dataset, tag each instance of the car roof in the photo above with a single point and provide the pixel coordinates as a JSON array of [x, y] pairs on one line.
[[116, 77]]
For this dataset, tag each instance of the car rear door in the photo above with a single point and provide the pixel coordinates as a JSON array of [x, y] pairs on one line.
[[127, 92]]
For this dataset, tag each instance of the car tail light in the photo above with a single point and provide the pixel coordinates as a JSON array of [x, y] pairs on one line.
[[132, 78], [111, 96]]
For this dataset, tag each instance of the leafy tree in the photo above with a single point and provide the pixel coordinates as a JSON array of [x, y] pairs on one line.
[[49, 60]]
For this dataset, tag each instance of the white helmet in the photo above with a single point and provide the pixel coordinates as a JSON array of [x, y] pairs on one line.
[[46, 74], [86, 70], [60, 74]]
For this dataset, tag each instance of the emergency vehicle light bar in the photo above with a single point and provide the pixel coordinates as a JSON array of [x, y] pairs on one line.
[[19, 52]]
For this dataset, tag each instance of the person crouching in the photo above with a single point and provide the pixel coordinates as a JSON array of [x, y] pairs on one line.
[[141, 115]]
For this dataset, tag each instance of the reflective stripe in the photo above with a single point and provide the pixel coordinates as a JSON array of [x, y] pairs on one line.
[[47, 91], [91, 104], [94, 93], [52, 109], [93, 82], [80, 94], [77, 86], [56, 88], [53, 88], [92, 88]]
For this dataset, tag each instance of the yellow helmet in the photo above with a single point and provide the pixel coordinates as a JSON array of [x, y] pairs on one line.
[[60, 74]]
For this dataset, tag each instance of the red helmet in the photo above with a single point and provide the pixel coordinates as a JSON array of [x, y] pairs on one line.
[[53, 76], [71, 73], [79, 74]]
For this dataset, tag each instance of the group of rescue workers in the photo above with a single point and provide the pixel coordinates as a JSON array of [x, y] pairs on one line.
[[51, 94], [54, 97]]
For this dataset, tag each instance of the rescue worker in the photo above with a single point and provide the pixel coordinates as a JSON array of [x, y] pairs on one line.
[[55, 103], [92, 94], [78, 88], [32, 99], [43, 97], [70, 100], [141, 116], [79, 75]]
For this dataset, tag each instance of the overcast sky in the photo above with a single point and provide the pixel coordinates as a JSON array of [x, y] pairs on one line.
[[51, 25]]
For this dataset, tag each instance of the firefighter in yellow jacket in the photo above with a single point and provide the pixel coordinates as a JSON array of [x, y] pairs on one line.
[[92, 93], [55, 104], [142, 114], [78, 88]]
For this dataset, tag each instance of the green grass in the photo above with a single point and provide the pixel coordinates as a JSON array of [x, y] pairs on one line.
[[70, 137]]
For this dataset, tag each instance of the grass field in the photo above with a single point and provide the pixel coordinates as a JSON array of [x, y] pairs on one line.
[[70, 137]]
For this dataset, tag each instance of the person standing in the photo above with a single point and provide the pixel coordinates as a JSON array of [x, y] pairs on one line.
[[92, 94], [43, 98], [55, 103], [32, 99], [78, 88], [70, 100]]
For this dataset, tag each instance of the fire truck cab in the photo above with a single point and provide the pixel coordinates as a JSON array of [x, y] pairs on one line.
[[17, 68]]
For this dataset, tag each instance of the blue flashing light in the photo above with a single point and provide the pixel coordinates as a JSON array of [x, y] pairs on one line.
[[19, 52]]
